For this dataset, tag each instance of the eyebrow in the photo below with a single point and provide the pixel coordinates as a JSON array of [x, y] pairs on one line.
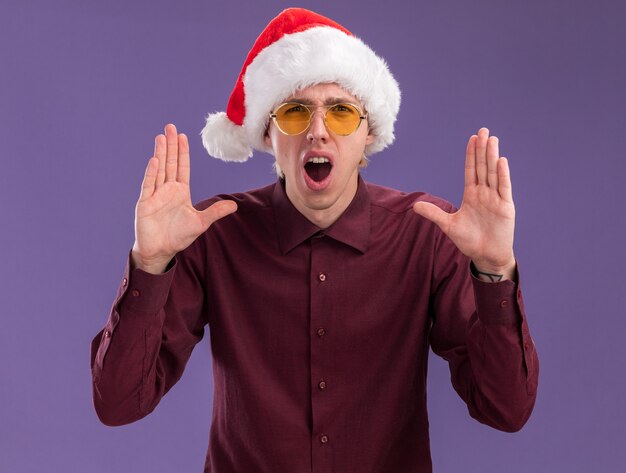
[[328, 101]]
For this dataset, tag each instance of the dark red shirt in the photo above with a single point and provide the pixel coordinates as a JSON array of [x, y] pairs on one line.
[[319, 338]]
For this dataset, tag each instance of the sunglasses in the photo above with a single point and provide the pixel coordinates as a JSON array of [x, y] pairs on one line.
[[293, 118]]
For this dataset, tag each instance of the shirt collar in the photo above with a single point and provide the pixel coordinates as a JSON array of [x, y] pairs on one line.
[[351, 228]]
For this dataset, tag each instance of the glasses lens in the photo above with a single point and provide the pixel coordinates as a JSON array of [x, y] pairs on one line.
[[343, 118], [292, 118]]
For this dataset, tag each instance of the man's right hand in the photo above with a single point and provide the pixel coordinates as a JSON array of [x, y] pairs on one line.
[[165, 220]]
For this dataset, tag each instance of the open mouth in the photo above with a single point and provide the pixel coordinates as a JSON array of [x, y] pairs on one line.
[[318, 168]]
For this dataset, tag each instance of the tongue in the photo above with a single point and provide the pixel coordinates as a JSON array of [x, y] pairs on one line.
[[318, 172]]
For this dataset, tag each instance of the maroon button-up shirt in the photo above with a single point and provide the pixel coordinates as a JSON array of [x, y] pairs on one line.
[[320, 338]]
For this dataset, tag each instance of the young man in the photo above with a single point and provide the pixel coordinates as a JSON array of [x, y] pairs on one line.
[[323, 292]]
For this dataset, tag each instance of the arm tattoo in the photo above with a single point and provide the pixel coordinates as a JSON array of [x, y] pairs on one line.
[[492, 277]]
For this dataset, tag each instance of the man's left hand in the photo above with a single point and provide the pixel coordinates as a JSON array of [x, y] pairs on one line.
[[483, 227]]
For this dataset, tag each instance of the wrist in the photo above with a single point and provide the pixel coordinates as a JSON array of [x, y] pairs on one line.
[[494, 273], [155, 265]]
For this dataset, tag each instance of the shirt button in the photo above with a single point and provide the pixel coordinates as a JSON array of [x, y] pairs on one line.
[[135, 292], [324, 439], [322, 277], [322, 385], [321, 332], [107, 333], [504, 303], [124, 282]]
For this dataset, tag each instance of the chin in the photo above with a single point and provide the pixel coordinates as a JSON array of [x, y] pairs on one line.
[[320, 202]]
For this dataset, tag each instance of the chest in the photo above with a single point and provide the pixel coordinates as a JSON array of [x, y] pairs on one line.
[[322, 284]]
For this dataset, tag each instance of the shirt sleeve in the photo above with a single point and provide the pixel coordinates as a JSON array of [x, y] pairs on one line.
[[480, 329], [141, 352]]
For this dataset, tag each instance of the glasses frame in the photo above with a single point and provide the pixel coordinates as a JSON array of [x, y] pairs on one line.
[[273, 116]]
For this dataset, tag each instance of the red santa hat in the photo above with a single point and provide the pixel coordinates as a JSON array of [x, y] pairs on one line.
[[298, 49]]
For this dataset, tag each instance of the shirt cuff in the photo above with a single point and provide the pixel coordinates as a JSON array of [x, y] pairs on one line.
[[146, 292], [498, 302]]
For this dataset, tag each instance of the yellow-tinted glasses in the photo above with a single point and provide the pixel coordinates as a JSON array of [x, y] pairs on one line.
[[293, 118]]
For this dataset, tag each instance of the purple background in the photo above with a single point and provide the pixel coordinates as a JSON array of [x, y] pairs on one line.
[[85, 86]]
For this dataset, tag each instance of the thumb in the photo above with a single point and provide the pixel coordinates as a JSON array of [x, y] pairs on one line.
[[432, 213], [216, 211]]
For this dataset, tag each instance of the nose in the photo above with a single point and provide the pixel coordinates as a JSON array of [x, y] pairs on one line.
[[317, 129]]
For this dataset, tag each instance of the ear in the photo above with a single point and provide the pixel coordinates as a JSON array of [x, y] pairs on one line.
[[370, 138], [267, 138]]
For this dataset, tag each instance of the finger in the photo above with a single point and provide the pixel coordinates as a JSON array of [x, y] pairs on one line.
[[149, 179], [505, 189], [481, 155], [470, 162], [171, 163], [434, 214], [183, 159], [159, 153], [216, 211], [492, 161]]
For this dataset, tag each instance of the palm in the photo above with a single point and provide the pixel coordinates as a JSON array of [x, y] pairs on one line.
[[165, 220], [483, 226]]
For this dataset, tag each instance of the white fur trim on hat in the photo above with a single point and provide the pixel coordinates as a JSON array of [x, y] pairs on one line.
[[225, 140]]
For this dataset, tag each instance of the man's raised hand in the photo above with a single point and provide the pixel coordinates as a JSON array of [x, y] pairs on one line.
[[483, 227], [165, 220]]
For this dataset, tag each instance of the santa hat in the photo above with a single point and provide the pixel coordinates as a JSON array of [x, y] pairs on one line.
[[298, 49]]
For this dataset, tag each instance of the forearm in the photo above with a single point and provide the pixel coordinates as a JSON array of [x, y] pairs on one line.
[[480, 329], [500, 390], [125, 352], [155, 322], [122, 391]]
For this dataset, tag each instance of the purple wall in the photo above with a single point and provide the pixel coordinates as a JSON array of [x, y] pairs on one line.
[[85, 86]]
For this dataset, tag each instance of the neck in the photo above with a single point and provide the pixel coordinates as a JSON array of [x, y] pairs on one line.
[[323, 218]]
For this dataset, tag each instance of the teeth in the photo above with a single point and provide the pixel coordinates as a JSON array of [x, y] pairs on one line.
[[318, 160]]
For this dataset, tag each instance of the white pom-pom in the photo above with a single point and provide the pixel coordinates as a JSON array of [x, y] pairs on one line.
[[224, 140]]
